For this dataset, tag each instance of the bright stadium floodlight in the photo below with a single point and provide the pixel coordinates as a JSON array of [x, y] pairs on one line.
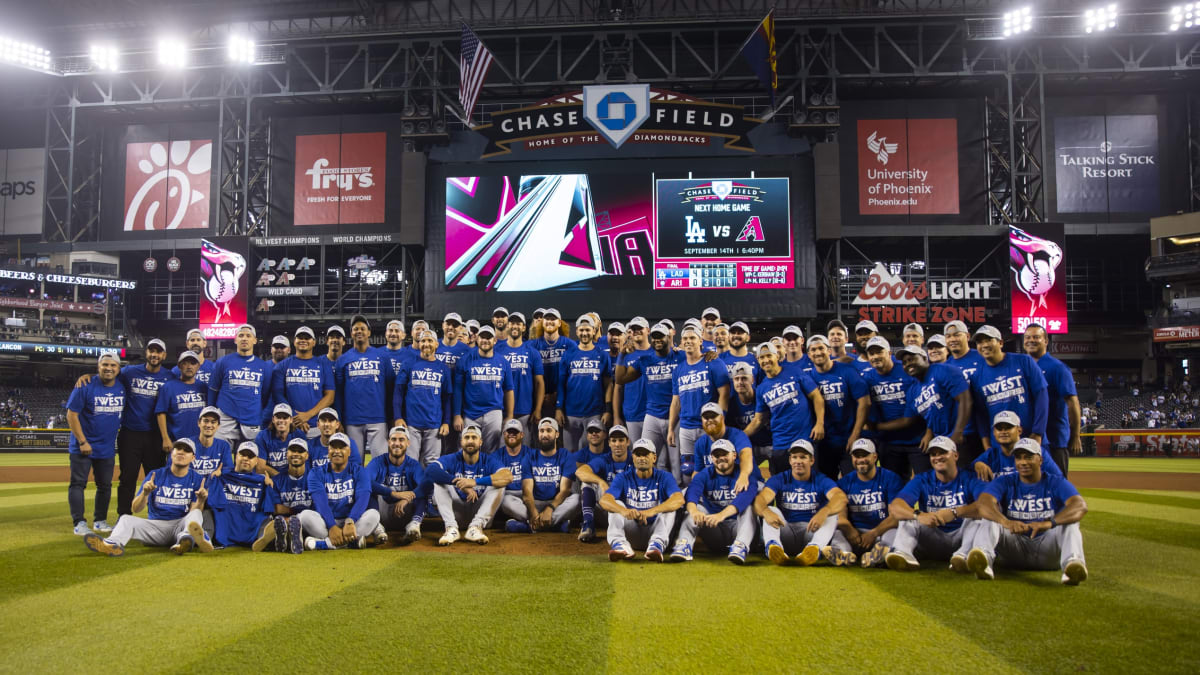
[[1018, 21], [172, 53], [241, 49], [106, 57], [24, 54], [1100, 19], [1184, 16]]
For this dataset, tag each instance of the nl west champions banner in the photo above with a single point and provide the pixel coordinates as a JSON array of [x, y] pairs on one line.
[[1039, 282], [591, 231], [226, 288], [1106, 164]]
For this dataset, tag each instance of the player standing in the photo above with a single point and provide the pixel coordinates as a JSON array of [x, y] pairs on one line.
[[179, 403], [525, 362], [304, 382], [94, 416], [422, 400], [240, 386], [196, 344], [483, 389], [789, 404], [364, 374], [966, 360], [939, 396], [584, 385], [552, 343], [1062, 425], [629, 398], [847, 402], [889, 385], [1008, 382], [694, 382]]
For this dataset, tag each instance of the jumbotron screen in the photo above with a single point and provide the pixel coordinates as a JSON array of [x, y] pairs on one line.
[[617, 231]]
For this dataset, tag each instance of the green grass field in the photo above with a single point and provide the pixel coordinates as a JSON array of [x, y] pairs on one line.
[[64, 608]]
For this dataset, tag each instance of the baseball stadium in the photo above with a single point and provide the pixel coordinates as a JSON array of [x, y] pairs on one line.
[[600, 336]]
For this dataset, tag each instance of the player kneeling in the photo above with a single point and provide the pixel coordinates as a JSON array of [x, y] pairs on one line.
[[243, 503], [173, 496], [948, 519], [467, 485], [803, 523], [396, 479], [1032, 521], [716, 511], [641, 504], [341, 514]]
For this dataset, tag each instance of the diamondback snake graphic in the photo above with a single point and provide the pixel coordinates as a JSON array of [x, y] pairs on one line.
[[224, 270], [1033, 262]]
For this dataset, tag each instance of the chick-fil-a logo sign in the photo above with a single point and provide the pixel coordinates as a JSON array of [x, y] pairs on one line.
[[167, 185], [340, 178]]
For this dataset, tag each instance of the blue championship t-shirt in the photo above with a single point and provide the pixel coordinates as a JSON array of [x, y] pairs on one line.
[[640, 493], [480, 383], [456, 466], [799, 500], [704, 446], [181, 403], [517, 464], [209, 458], [525, 363], [1060, 385], [1031, 502], [423, 394], [933, 398], [581, 377], [714, 491], [696, 384], [100, 409], [141, 390], [302, 383], [387, 477], [173, 495], [784, 399], [931, 494], [841, 387], [240, 503], [292, 491], [868, 500], [239, 387], [547, 472]]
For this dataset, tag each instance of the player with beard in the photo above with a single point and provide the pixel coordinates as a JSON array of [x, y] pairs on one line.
[[500, 321], [721, 338], [422, 401], [890, 385], [467, 484], [483, 389], [967, 360], [847, 402], [694, 382], [1008, 382], [179, 402], [867, 524], [196, 344], [739, 351], [863, 332], [304, 382], [546, 488], [596, 475], [583, 385], [789, 403], [641, 503], [515, 456], [938, 397], [552, 342], [629, 399], [1062, 426], [742, 407], [525, 362], [397, 479], [280, 348]]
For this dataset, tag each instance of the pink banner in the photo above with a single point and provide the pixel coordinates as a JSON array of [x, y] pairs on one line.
[[1039, 284]]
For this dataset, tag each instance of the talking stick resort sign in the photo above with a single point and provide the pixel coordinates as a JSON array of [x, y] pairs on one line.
[[617, 114]]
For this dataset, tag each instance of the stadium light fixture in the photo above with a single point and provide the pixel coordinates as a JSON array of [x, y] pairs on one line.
[[1018, 21], [241, 50], [1184, 16], [1100, 19], [24, 54], [106, 57], [172, 53]]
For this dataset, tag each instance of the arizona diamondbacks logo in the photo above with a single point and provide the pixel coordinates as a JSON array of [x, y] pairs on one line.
[[881, 147], [616, 110]]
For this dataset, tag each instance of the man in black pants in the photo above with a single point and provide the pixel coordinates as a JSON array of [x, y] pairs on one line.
[[139, 444]]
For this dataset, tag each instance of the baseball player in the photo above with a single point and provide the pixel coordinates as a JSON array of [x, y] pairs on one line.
[[847, 402], [341, 513], [467, 485], [836, 332], [804, 520], [739, 351], [94, 415], [179, 403], [280, 349], [196, 344], [335, 345], [422, 400], [240, 386], [717, 511], [419, 326], [868, 525], [629, 399], [712, 421], [211, 453], [552, 342], [595, 477], [863, 332], [939, 396], [597, 442], [329, 424], [694, 382], [515, 457], [452, 348], [889, 385], [948, 518], [793, 355], [935, 347], [500, 320], [655, 368], [584, 386], [641, 504], [1008, 382], [472, 327], [173, 496], [364, 375], [913, 334], [1063, 422], [483, 389], [721, 338], [397, 354], [242, 503], [546, 487], [998, 460], [397, 479], [1032, 521], [789, 404], [304, 382], [273, 440], [291, 497], [742, 408], [525, 362], [966, 360]]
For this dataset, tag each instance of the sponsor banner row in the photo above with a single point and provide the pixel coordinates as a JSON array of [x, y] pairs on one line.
[[1147, 443], [53, 305], [1177, 334], [34, 440]]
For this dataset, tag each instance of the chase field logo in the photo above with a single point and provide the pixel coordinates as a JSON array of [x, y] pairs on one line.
[[881, 147], [616, 110]]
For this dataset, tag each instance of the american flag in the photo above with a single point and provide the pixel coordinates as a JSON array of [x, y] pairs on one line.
[[473, 65]]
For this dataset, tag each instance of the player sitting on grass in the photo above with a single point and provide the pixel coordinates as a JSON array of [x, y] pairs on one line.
[[546, 489], [716, 510], [642, 505], [998, 460], [212, 453], [173, 496], [803, 522], [595, 477], [291, 497], [243, 502], [1032, 521], [273, 439], [341, 496], [329, 423], [866, 523], [397, 480], [946, 524], [467, 485]]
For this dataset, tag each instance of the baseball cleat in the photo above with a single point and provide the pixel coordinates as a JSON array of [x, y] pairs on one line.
[[1074, 573], [875, 555], [654, 552], [295, 536], [738, 552], [517, 526], [977, 562], [776, 554], [959, 564], [265, 537], [203, 543], [81, 528], [358, 542], [619, 552], [838, 557], [101, 526], [101, 545], [809, 555], [379, 537], [587, 534], [281, 533], [184, 544], [450, 536], [475, 535], [682, 552], [901, 562], [314, 544], [412, 533], [565, 526]]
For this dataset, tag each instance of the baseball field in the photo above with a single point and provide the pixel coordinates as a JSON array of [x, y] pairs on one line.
[[547, 603]]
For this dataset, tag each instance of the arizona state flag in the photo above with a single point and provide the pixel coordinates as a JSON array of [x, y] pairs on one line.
[[760, 52]]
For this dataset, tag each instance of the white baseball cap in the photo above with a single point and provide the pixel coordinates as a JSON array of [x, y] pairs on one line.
[[936, 339], [865, 445], [304, 330], [487, 329], [721, 445], [335, 329], [802, 445], [585, 319], [197, 331], [329, 412], [183, 356], [990, 331], [108, 356], [398, 429], [639, 322], [517, 317], [1028, 445], [866, 324], [911, 349], [766, 347], [711, 311], [645, 445], [514, 425], [471, 427], [955, 327], [500, 311], [660, 329], [1006, 417], [711, 407], [594, 423], [185, 442], [879, 341], [282, 409], [914, 328], [248, 447], [155, 342], [452, 316], [739, 325], [548, 422], [817, 340], [339, 437], [211, 410], [618, 429], [395, 322], [280, 340], [944, 443], [742, 368], [248, 327], [298, 443], [616, 327], [792, 330], [550, 311]]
